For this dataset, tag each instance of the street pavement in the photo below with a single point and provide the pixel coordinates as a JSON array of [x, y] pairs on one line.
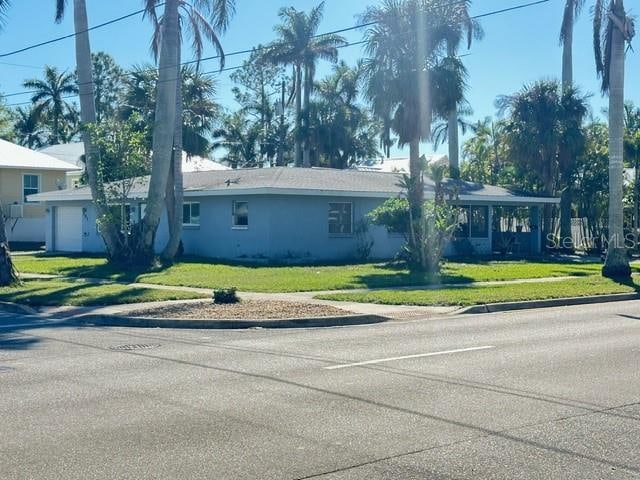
[[540, 394]]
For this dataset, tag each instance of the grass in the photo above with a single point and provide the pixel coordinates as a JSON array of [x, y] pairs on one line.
[[475, 295], [79, 293], [260, 278]]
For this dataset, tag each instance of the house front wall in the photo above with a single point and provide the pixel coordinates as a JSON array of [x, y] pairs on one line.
[[280, 227], [31, 227]]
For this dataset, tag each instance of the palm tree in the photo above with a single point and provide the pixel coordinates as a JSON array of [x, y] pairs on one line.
[[572, 9], [28, 127], [609, 49], [4, 5], [240, 138], [544, 120], [441, 129], [85, 87], [404, 44], [204, 20], [300, 46], [343, 131], [49, 98], [458, 25], [632, 156]]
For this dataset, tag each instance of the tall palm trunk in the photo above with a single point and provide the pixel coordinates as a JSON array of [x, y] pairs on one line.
[[175, 186], [616, 263], [298, 138], [452, 134], [566, 198], [108, 231], [567, 54], [416, 200], [308, 85], [8, 274], [163, 131]]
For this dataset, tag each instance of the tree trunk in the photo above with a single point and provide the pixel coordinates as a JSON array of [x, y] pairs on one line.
[[452, 134], [616, 262], [298, 138], [567, 56], [175, 188], [566, 237], [8, 274], [308, 85], [163, 131], [454, 148], [415, 196], [108, 231]]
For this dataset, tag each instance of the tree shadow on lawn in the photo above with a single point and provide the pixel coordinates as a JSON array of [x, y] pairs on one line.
[[395, 275], [44, 295]]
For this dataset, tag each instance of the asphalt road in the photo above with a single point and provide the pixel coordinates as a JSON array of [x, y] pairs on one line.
[[541, 394]]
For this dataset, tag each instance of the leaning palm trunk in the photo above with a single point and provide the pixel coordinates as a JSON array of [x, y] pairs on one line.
[[616, 263], [163, 132], [8, 274], [108, 231], [175, 187]]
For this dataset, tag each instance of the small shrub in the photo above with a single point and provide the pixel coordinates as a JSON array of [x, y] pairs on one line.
[[225, 295]]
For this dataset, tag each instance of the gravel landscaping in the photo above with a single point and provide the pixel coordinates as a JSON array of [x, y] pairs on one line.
[[245, 310]]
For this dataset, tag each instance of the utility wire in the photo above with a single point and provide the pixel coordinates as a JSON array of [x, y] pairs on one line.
[[263, 47], [75, 34]]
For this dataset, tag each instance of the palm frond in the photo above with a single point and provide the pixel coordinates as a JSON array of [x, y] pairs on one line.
[[60, 9]]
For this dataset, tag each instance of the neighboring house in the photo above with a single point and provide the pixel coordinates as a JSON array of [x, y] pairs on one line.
[[398, 164], [24, 172], [74, 153], [285, 213]]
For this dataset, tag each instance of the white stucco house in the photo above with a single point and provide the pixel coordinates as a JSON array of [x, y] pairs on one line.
[[285, 213]]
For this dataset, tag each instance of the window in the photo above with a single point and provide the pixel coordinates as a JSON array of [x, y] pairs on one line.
[[463, 223], [340, 218], [30, 185], [191, 214], [240, 214], [473, 222], [479, 222]]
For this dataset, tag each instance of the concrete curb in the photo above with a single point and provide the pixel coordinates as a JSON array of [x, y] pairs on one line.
[[17, 308], [556, 302], [145, 322]]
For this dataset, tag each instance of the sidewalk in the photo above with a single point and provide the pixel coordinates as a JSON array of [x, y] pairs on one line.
[[390, 311]]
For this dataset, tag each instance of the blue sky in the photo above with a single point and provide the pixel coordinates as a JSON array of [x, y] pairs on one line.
[[519, 47]]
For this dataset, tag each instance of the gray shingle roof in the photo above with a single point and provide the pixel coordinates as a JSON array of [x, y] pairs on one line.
[[302, 181]]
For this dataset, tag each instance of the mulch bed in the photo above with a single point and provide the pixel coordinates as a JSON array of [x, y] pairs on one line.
[[245, 310]]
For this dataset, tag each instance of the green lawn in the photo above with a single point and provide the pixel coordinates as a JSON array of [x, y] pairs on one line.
[[464, 296], [79, 293], [206, 274]]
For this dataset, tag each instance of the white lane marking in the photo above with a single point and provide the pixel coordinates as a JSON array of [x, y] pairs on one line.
[[420, 355]]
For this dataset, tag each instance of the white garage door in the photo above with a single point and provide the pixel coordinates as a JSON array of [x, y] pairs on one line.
[[68, 229]]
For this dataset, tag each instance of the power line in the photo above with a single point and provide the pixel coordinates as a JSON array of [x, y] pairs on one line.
[[263, 47], [71, 35]]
